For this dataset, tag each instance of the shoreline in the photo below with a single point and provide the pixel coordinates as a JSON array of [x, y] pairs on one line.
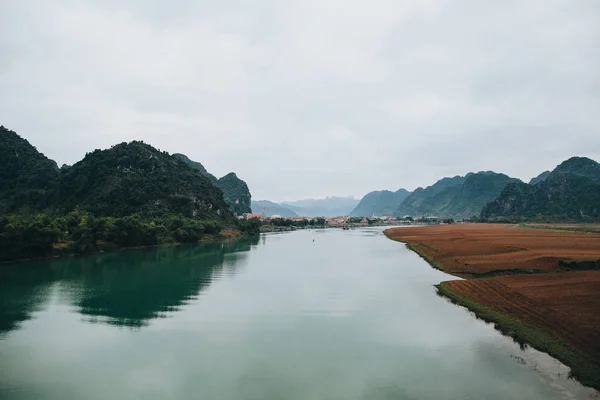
[[584, 369], [207, 239]]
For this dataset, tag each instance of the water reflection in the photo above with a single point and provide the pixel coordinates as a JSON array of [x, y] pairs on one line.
[[123, 289], [22, 292]]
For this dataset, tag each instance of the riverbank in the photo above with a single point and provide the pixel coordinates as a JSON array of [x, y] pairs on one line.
[[62, 250], [522, 281]]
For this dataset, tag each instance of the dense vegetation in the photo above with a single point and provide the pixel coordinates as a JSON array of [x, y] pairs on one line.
[[235, 190], [569, 193], [27, 177], [136, 178], [458, 197], [301, 223], [236, 193], [380, 203], [129, 195], [540, 178]]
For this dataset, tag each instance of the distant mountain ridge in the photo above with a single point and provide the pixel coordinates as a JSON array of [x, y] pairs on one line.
[[272, 209], [571, 192], [236, 192], [326, 207], [456, 197], [380, 203]]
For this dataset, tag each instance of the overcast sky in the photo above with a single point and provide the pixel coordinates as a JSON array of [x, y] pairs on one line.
[[309, 98]]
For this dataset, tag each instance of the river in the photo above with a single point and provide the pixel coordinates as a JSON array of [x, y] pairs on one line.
[[308, 315]]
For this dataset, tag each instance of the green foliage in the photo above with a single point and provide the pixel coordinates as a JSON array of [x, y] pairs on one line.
[[570, 193], [288, 222], [27, 237], [318, 221], [250, 226], [129, 195], [79, 231], [236, 193], [27, 178], [134, 177], [457, 197], [235, 190]]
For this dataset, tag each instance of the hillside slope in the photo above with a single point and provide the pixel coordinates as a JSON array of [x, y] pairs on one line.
[[235, 190], [571, 192], [379, 203], [272, 209], [136, 178], [27, 177], [456, 197]]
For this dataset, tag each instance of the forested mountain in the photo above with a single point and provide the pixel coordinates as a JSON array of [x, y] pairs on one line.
[[129, 195], [134, 178], [569, 193], [327, 207], [272, 209], [541, 177], [235, 190], [379, 203], [197, 165], [236, 193], [457, 197], [27, 177], [425, 201]]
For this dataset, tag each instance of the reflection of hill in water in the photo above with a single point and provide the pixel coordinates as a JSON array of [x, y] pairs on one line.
[[22, 291], [126, 288]]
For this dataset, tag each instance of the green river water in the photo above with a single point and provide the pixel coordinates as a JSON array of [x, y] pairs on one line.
[[307, 315]]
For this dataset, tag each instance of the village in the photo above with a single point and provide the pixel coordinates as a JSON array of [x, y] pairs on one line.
[[277, 222]]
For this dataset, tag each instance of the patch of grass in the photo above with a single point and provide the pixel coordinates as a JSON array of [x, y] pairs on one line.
[[581, 229], [429, 247], [425, 257], [583, 369], [502, 272]]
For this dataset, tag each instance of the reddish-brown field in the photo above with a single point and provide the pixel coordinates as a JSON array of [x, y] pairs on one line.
[[468, 250], [564, 304]]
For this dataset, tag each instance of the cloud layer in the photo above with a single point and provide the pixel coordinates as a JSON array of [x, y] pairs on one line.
[[309, 98]]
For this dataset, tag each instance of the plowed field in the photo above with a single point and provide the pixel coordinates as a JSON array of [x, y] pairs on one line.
[[563, 303], [468, 250]]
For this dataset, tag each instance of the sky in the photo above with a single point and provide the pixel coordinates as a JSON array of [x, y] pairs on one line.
[[309, 98]]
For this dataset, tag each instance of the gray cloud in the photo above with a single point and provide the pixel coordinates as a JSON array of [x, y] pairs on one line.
[[309, 98]]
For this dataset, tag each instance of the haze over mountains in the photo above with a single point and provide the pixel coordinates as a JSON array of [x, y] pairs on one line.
[[327, 207], [381, 202], [571, 192]]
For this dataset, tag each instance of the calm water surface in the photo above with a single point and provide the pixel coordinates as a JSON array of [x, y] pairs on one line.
[[350, 315]]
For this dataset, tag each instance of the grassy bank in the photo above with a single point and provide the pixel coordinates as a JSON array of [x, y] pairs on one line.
[[583, 369]]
